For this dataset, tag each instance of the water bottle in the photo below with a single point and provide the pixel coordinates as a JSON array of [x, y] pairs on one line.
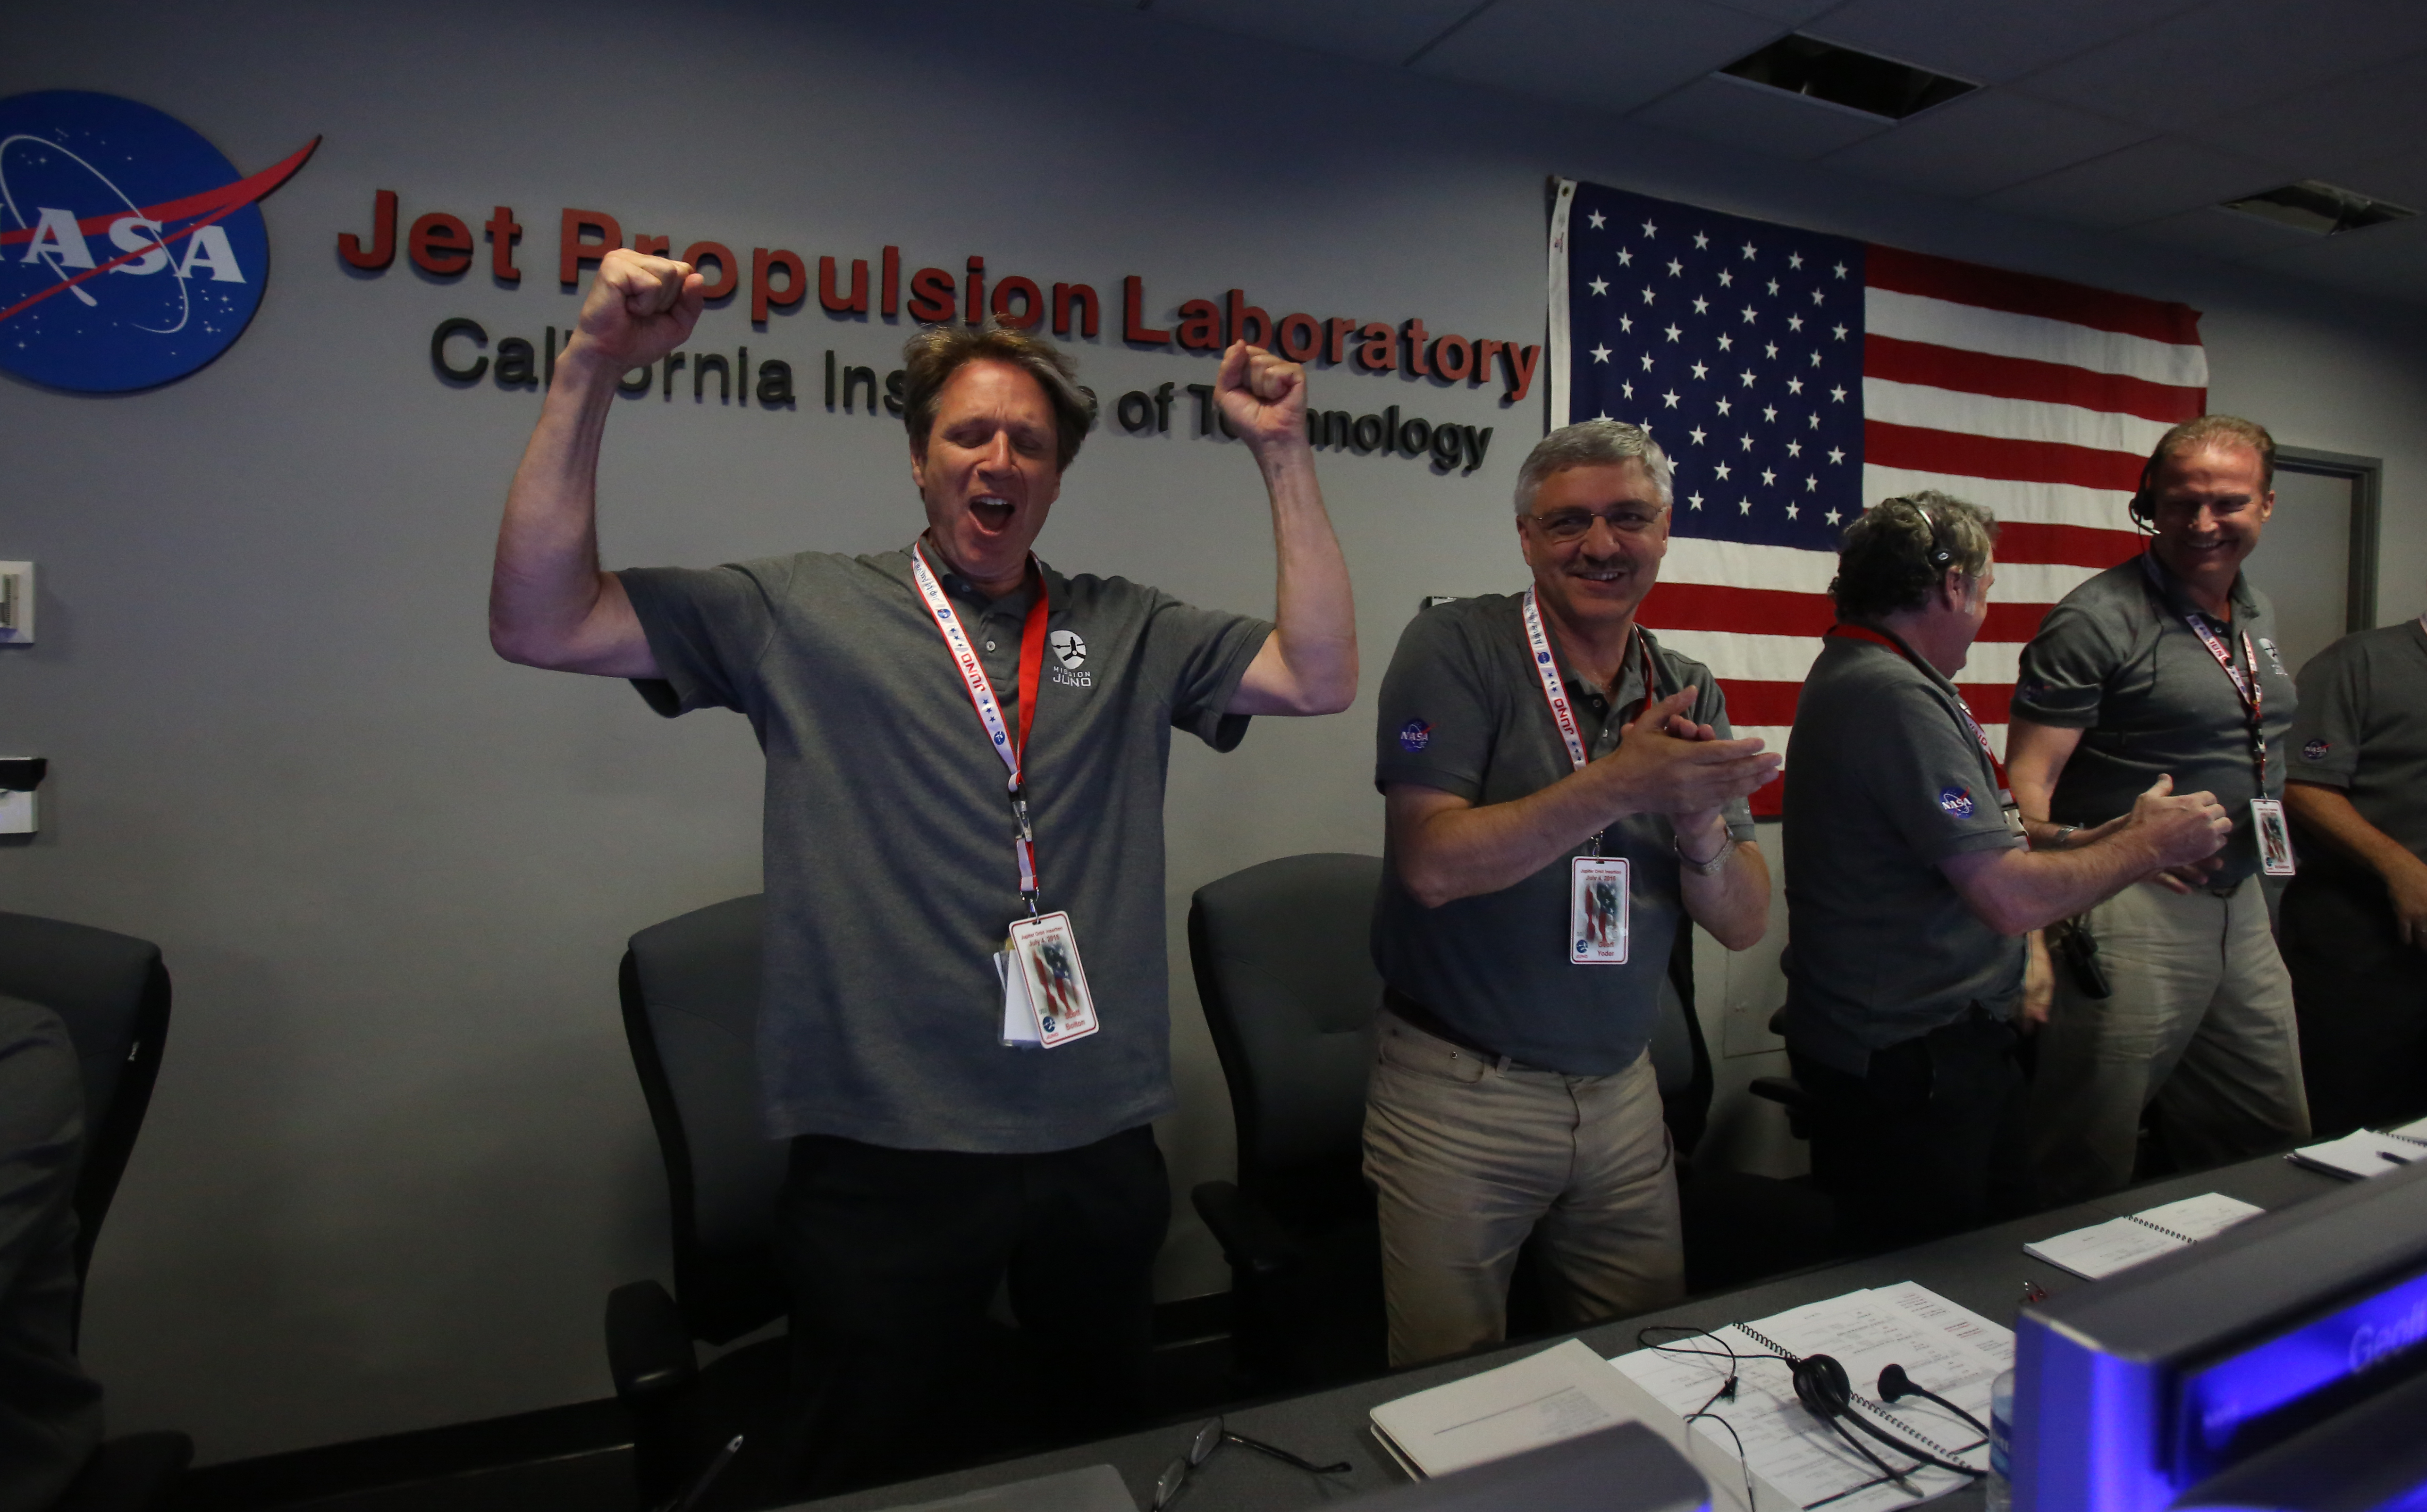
[[2000, 1488]]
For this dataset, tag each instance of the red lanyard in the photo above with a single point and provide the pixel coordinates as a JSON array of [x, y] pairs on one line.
[[1997, 767], [1555, 691], [1031, 676], [2254, 696]]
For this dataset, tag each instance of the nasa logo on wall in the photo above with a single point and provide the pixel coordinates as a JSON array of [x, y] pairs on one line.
[[131, 251]]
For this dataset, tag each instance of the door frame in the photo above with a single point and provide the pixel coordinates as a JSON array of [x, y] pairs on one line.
[[2366, 478]]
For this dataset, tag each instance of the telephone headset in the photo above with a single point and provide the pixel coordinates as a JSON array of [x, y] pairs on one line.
[[1939, 556], [2143, 508], [1828, 1393]]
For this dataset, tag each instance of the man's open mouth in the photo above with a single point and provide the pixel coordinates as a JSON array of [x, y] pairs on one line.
[[992, 511]]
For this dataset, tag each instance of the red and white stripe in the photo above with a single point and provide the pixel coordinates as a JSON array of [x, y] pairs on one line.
[[2035, 399]]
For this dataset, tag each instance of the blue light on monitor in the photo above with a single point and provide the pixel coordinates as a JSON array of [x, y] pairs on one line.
[[2227, 1405]]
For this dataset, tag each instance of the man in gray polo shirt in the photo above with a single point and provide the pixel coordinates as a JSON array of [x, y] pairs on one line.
[[948, 757], [2166, 665], [2354, 920], [1511, 1093], [1909, 887]]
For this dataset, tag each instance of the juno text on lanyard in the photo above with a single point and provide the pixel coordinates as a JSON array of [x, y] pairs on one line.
[[1032, 674], [1555, 691], [1997, 767]]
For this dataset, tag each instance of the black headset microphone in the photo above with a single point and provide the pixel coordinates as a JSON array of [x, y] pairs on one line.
[[1821, 1385]]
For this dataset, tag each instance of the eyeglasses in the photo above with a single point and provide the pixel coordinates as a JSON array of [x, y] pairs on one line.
[[1563, 525], [1212, 1435]]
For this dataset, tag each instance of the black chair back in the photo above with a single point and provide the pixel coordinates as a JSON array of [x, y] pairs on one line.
[[689, 988], [1290, 994], [112, 992], [1681, 1058]]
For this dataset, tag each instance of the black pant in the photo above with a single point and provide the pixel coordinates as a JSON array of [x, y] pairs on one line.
[[891, 1257], [1929, 1142], [2361, 997]]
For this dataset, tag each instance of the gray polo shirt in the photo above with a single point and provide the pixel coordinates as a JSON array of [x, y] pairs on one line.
[[2363, 729], [1462, 711], [2116, 661], [1885, 784], [889, 861]]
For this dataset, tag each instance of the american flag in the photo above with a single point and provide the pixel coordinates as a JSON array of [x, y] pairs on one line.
[[1796, 377]]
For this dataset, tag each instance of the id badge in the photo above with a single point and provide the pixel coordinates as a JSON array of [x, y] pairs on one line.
[[1019, 1031], [1597, 910], [2275, 837], [1044, 953]]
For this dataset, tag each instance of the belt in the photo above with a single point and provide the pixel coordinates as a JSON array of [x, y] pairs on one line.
[[1419, 1017]]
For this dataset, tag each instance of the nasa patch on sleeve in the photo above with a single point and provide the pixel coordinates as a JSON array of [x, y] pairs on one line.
[[2315, 751], [1956, 801], [1414, 735]]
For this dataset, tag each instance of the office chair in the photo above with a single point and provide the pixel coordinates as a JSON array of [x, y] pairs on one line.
[[111, 991], [1290, 994], [689, 991]]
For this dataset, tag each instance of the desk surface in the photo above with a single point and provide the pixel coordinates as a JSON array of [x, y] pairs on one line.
[[1984, 1270]]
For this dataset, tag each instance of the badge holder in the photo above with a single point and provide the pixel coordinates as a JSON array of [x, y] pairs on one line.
[[2275, 837], [1598, 906], [1051, 981]]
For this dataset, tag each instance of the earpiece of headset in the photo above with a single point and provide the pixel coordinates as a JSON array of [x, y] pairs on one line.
[[2143, 508], [1939, 556], [1825, 1390], [1895, 1386]]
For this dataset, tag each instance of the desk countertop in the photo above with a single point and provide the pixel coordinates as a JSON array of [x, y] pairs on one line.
[[1983, 1270]]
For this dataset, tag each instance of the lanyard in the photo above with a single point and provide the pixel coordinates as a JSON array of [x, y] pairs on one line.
[[2254, 696], [1031, 674], [1997, 767], [1555, 691]]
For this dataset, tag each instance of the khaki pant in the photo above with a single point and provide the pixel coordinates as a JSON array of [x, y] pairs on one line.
[[2199, 1024], [1469, 1161]]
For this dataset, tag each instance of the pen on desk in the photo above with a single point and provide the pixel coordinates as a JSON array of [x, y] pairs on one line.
[[689, 1499], [2389, 1155]]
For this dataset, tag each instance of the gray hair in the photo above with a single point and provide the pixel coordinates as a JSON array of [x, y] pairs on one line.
[[1593, 444], [1900, 548]]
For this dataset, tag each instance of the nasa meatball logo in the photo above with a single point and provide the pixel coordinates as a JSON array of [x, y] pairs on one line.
[[2315, 751], [1414, 735], [131, 251], [1069, 647], [1956, 801]]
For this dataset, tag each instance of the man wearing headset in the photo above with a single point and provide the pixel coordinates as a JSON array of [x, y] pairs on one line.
[[1909, 887], [2166, 665]]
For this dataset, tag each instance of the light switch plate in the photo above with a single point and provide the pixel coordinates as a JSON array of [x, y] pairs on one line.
[[16, 813], [16, 603]]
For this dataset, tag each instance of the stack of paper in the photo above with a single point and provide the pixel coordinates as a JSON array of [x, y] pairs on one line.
[[2102, 1249], [1540, 1400], [2365, 1152], [1795, 1461]]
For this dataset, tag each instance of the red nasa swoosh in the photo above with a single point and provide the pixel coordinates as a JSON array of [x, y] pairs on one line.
[[210, 205]]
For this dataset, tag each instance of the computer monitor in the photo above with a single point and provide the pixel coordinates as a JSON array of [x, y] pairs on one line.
[[2280, 1365]]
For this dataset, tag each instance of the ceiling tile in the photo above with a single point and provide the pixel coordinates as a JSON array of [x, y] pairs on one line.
[[1985, 141], [2388, 261], [2142, 183], [1793, 12], [1376, 31], [1986, 43], [2231, 56], [2364, 132], [2222, 233], [1753, 115], [1605, 55]]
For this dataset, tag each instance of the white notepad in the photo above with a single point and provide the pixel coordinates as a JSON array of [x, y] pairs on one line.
[[1542, 1399], [2119, 1243], [2365, 1152]]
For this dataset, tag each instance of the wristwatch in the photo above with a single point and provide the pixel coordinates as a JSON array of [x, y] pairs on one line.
[[1716, 865], [2064, 837]]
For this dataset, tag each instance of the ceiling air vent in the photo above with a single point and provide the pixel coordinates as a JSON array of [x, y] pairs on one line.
[[1842, 76], [2322, 209]]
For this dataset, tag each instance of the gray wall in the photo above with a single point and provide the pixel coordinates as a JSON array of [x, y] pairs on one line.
[[396, 1157]]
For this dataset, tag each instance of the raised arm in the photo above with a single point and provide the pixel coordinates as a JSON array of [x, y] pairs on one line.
[[2327, 814], [1445, 847], [549, 604], [2015, 891], [1308, 665]]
